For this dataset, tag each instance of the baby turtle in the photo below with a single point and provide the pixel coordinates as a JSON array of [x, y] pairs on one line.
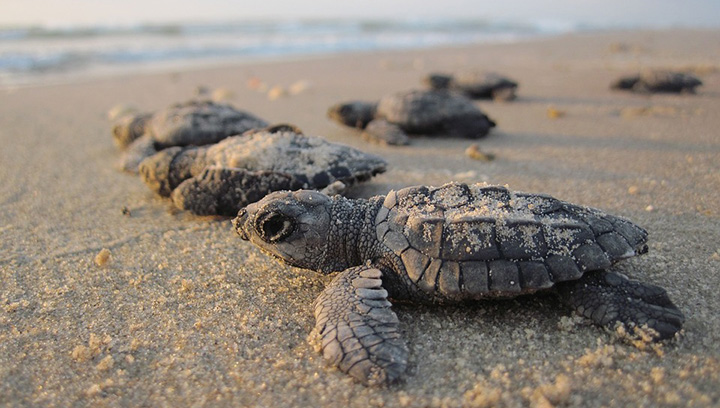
[[189, 123], [438, 113], [449, 244], [239, 170], [475, 85], [658, 81]]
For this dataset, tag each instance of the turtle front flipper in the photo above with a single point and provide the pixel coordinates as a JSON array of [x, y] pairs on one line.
[[166, 169], [609, 297], [384, 132], [225, 190], [359, 331]]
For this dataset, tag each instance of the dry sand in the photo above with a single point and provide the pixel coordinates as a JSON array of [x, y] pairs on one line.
[[178, 311]]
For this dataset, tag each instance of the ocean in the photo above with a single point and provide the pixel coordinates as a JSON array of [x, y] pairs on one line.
[[39, 55]]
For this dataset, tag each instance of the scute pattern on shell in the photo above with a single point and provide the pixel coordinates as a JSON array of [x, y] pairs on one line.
[[461, 240], [308, 157], [199, 123]]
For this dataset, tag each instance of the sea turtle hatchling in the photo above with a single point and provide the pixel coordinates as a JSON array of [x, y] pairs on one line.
[[448, 244], [226, 176], [189, 123], [437, 113], [474, 85], [653, 81]]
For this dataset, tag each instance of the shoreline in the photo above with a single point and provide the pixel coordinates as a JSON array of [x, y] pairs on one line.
[[107, 72], [181, 311], [98, 69]]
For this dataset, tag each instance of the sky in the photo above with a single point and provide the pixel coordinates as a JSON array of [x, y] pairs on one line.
[[635, 13]]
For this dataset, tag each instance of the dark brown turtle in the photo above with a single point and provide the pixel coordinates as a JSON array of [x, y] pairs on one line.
[[190, 123], [449, 244], [432, 113], [239, 170], [650, 81]]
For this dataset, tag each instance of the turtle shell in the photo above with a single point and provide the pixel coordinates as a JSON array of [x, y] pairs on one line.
[[423, 111], [200, 123], [463, 241], [481, 84], [310, 159]]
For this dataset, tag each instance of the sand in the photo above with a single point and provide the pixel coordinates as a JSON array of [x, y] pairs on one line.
[[110, 297]]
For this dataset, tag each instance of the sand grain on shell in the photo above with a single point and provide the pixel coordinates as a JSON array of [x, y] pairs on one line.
[[284, 152], [461, 210]]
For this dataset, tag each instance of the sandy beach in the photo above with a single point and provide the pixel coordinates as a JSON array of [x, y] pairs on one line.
[[185, 313]]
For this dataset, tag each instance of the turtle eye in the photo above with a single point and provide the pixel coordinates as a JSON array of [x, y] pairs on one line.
[[273, 226]]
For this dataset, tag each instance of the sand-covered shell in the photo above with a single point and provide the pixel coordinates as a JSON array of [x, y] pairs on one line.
[[200, 123], [226, 176], [193, 122], [475, 241]]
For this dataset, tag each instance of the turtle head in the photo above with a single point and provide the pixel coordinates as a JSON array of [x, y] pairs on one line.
[[292, 226], [438, 81], [625, 83], [126, 128], [354, 114]]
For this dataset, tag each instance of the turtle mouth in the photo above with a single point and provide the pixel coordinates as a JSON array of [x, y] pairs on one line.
[[239, 224]]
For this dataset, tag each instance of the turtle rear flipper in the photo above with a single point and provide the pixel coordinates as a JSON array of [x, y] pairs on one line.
[[359, 332], [384, 132], [224, 191], [608, 297]]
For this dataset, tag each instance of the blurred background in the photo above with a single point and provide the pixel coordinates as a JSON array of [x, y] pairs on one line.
[[45, 39]]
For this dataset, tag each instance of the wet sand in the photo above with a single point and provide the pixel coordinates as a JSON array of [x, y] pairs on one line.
[[180, 312]]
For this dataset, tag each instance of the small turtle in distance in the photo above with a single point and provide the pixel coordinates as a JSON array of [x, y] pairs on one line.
[[433, 113], [190, 123], [449, 244], [650, 81], [474, 85], [220, 179]]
